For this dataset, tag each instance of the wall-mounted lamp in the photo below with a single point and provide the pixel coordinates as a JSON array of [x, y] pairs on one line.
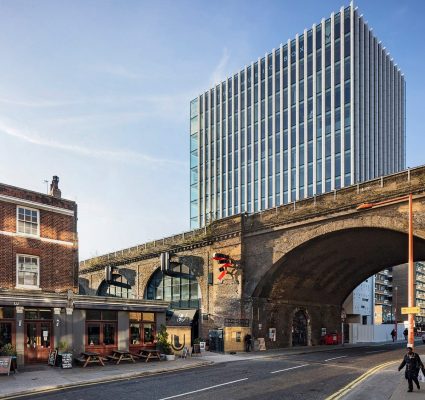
[[20, 322], [57, 322]]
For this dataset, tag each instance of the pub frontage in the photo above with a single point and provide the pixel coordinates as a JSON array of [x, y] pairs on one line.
[[37, 323]]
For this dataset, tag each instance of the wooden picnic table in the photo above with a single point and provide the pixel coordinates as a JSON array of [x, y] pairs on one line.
[[149, 354], [89, 357], [121, 355]]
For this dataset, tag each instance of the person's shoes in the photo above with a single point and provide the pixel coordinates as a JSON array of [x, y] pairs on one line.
[[418, 386], [410, 390]]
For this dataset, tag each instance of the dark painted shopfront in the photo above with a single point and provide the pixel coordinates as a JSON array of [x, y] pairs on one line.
[[37, 323]]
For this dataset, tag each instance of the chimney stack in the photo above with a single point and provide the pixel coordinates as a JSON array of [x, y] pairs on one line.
[[54, 188]]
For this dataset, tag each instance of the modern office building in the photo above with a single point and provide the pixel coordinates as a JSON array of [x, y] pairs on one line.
[[320, 112], [400, 283]]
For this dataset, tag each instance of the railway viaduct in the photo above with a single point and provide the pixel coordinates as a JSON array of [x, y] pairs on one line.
[[301, 257]]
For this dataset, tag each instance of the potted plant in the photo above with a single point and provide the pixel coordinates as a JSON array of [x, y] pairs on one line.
[[163, 343], [8, 350], [196, 345]]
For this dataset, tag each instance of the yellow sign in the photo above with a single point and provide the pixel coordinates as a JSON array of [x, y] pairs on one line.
[[410, 310]]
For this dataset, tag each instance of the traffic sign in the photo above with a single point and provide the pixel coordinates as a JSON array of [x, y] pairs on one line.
[[410, 310]]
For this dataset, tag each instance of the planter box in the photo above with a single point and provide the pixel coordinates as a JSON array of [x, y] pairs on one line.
[[170, 357]]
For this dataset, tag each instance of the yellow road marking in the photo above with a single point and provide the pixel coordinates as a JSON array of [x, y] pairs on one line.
[[342, 392]]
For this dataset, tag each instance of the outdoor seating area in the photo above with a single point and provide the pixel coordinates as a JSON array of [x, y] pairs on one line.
[[149, 354], [89, 357]]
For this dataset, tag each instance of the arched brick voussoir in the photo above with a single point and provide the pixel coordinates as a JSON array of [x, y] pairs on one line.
[[322, 262]]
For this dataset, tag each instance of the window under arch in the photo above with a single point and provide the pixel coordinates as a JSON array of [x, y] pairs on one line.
[[118, 287], [179, 287]]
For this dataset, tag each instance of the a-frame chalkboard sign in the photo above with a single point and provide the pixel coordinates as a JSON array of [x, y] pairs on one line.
[[5, 363], [52, 357]]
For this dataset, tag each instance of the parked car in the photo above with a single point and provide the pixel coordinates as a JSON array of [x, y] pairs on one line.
[[423, 338]]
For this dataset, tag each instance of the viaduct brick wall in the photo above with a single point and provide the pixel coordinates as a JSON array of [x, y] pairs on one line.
[[261, 245]]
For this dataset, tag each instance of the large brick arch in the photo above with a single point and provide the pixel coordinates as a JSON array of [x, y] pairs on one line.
[[323, 262]]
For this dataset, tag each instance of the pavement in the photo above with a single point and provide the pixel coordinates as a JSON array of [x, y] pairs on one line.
[[384, 383]]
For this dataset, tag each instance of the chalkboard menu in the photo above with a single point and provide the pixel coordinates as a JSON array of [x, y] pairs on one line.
[[5, 363], [66, 360], [52, 357]]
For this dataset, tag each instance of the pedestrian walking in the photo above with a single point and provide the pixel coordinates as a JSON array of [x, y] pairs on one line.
[[393, 334], [405, 332], [247, 340], [413, 364]]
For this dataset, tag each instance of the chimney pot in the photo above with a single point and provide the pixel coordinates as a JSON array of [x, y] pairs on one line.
[[54, 188]]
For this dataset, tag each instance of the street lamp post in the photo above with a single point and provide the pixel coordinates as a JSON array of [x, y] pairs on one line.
[[410, 273]]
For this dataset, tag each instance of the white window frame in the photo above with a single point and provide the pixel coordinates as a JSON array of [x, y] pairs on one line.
[[17, 221], [19, 286]]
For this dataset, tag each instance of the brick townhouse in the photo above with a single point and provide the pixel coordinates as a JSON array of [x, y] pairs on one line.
[[39, 301]]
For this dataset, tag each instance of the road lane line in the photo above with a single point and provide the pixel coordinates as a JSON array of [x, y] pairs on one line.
[[287, 369], [342, 392], [202, 390], [334, 358]]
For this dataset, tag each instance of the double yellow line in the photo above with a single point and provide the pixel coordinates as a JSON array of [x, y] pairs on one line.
[[342, 392]]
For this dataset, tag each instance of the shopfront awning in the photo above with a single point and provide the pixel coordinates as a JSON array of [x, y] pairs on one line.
[[181, 317]]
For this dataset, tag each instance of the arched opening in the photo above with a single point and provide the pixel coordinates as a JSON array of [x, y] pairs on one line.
[[320, 274], [180, 287], [300, 328], [117, 287]]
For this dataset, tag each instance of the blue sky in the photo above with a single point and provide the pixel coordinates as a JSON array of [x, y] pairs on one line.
[[98, 93]]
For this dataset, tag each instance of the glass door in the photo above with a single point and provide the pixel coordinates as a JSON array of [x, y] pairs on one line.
[[38, 341]]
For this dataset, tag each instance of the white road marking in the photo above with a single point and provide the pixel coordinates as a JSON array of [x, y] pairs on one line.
[[201, 390], [334, 358], [287, 369]]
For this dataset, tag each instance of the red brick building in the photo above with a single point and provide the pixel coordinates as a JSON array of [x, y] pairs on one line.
[[39, 301], [38, 240]]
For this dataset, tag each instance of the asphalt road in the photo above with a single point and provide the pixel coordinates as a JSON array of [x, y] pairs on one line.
[[313, 375]]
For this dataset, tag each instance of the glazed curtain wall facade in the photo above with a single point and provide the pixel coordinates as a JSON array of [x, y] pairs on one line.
[[298, 122], [380, 93]]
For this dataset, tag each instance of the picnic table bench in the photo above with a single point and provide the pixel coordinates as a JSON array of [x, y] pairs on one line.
[[149, 354], [121, 355], [89, 357]]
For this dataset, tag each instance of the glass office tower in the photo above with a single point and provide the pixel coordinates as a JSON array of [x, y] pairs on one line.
[[323, 111]]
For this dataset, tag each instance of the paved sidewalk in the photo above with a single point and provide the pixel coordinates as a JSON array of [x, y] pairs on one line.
[[386, 384], [39, 378]]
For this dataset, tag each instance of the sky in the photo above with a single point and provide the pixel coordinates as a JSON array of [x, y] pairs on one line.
[[98, 93]]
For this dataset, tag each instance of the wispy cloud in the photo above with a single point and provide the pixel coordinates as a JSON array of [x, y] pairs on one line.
[[118, 71], [116, 155], [219, 72]]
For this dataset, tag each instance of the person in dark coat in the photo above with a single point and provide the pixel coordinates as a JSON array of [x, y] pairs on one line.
[[247, 340], [413, 363], [393, 334], [405, 333]]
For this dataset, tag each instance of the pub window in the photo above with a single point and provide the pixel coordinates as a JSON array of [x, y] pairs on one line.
[[7, 315], [28, 221], [142, 328], [39, 314], [27, 271], [101, 327]]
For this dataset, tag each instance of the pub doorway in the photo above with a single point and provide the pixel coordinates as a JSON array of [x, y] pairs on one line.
[[299, 329], [38, 328]]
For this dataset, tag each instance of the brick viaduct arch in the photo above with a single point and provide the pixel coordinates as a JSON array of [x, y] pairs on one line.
[[315, 266]]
